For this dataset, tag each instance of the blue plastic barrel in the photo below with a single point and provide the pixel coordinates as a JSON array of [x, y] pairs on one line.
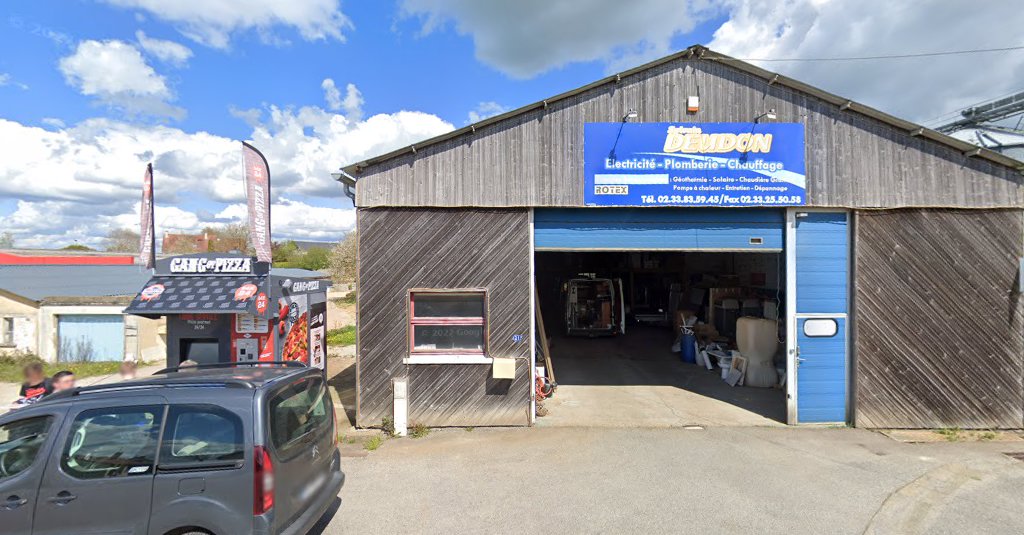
[[688, 348]]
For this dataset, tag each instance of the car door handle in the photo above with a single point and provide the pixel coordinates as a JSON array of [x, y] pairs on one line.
[[62, 498], [13, 502]]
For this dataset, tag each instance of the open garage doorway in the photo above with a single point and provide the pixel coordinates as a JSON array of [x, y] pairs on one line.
[[615, 318]]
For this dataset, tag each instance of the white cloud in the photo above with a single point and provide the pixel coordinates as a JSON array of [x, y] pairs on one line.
[[54, 224], [298, 220], [78, 182], [352, 103], [523, 38], [7, 79], [176, 54], [211, 22], [117, 75], [308, 138], [918, 89], [53, 122], [331, 94], [485, 110]]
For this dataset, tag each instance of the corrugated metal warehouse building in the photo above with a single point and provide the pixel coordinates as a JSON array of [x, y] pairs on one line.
[[888, 253]]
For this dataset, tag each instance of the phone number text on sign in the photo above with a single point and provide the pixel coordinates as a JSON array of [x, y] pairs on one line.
[[711, 200]]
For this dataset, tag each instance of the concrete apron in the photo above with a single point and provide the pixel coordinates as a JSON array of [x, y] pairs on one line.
[[635, 381], [643, 406]]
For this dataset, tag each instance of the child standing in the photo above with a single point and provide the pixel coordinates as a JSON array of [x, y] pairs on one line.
[[36, 383]]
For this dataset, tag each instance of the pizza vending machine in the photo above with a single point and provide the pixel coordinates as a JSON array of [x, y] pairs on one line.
[[231, 308]]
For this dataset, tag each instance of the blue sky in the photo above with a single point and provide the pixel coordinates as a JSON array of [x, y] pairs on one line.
[[384, 54], [92, 89]]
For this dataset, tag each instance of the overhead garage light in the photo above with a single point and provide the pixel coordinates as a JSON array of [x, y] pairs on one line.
[[630, 114], [770, 115]]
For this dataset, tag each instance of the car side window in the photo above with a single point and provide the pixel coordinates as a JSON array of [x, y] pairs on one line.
[[299, 410], [20, 442], [113, 442], [201, 434]]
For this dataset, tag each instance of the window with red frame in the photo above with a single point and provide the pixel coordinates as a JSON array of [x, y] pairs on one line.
[[448, 322]]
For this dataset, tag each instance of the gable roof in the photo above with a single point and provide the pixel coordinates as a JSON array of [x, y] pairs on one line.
[[700, 52]]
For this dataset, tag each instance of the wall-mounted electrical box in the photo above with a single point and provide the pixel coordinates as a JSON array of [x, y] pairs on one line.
[[503, 368], [693, 104], [400, 388]]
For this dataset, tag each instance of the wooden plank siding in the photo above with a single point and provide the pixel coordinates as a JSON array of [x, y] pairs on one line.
[[939, 340], [536, 158], [402, 249]]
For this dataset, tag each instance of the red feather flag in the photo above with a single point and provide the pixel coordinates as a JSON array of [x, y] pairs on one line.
[[257, 195], [147, 228]]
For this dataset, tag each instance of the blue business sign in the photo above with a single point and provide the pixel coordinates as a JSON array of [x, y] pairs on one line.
[[693, 164]]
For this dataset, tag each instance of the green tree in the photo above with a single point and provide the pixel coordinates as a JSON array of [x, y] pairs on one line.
[[6, 240], [284, 253], [121, 240], [77, 247], [343, 260], [230, 237], [316, 258]]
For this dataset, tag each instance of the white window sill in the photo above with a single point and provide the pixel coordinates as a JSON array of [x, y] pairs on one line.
[[447, 359]]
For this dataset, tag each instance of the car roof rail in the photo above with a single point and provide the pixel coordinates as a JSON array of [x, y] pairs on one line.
[[123, 387], [217, 365]]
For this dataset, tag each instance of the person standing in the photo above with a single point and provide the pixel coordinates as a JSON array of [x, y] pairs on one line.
[[36, 383], [128, 370], [63, 380]]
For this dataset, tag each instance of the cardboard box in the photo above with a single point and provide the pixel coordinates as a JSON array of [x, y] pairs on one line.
[[705, 333]]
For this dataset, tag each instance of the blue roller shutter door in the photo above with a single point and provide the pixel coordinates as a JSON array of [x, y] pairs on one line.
[[90, 337], [646, 229]]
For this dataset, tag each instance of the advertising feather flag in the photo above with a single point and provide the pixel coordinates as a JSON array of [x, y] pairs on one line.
[[257, 195], [147, 230]]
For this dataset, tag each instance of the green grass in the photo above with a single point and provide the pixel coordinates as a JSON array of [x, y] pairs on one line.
[[418, 431], [11, 368], [953, 434], [373, 443], [345, 336], [349, 298]]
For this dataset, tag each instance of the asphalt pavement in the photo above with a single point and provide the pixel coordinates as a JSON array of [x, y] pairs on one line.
[[718, 480]]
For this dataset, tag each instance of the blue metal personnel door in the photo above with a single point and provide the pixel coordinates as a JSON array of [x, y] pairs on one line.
[[822, 303]]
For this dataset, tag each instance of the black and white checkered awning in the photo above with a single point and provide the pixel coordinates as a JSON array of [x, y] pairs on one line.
[[168, 294]]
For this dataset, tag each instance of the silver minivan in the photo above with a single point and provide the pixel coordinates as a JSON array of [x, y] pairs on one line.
[[218, 450]]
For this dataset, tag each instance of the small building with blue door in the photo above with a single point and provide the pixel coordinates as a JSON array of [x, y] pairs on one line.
[[66, 312], [834, 264]]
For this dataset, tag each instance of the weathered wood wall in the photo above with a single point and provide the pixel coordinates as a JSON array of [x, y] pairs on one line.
[[536, 159], [939, 339], [403, 249]]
